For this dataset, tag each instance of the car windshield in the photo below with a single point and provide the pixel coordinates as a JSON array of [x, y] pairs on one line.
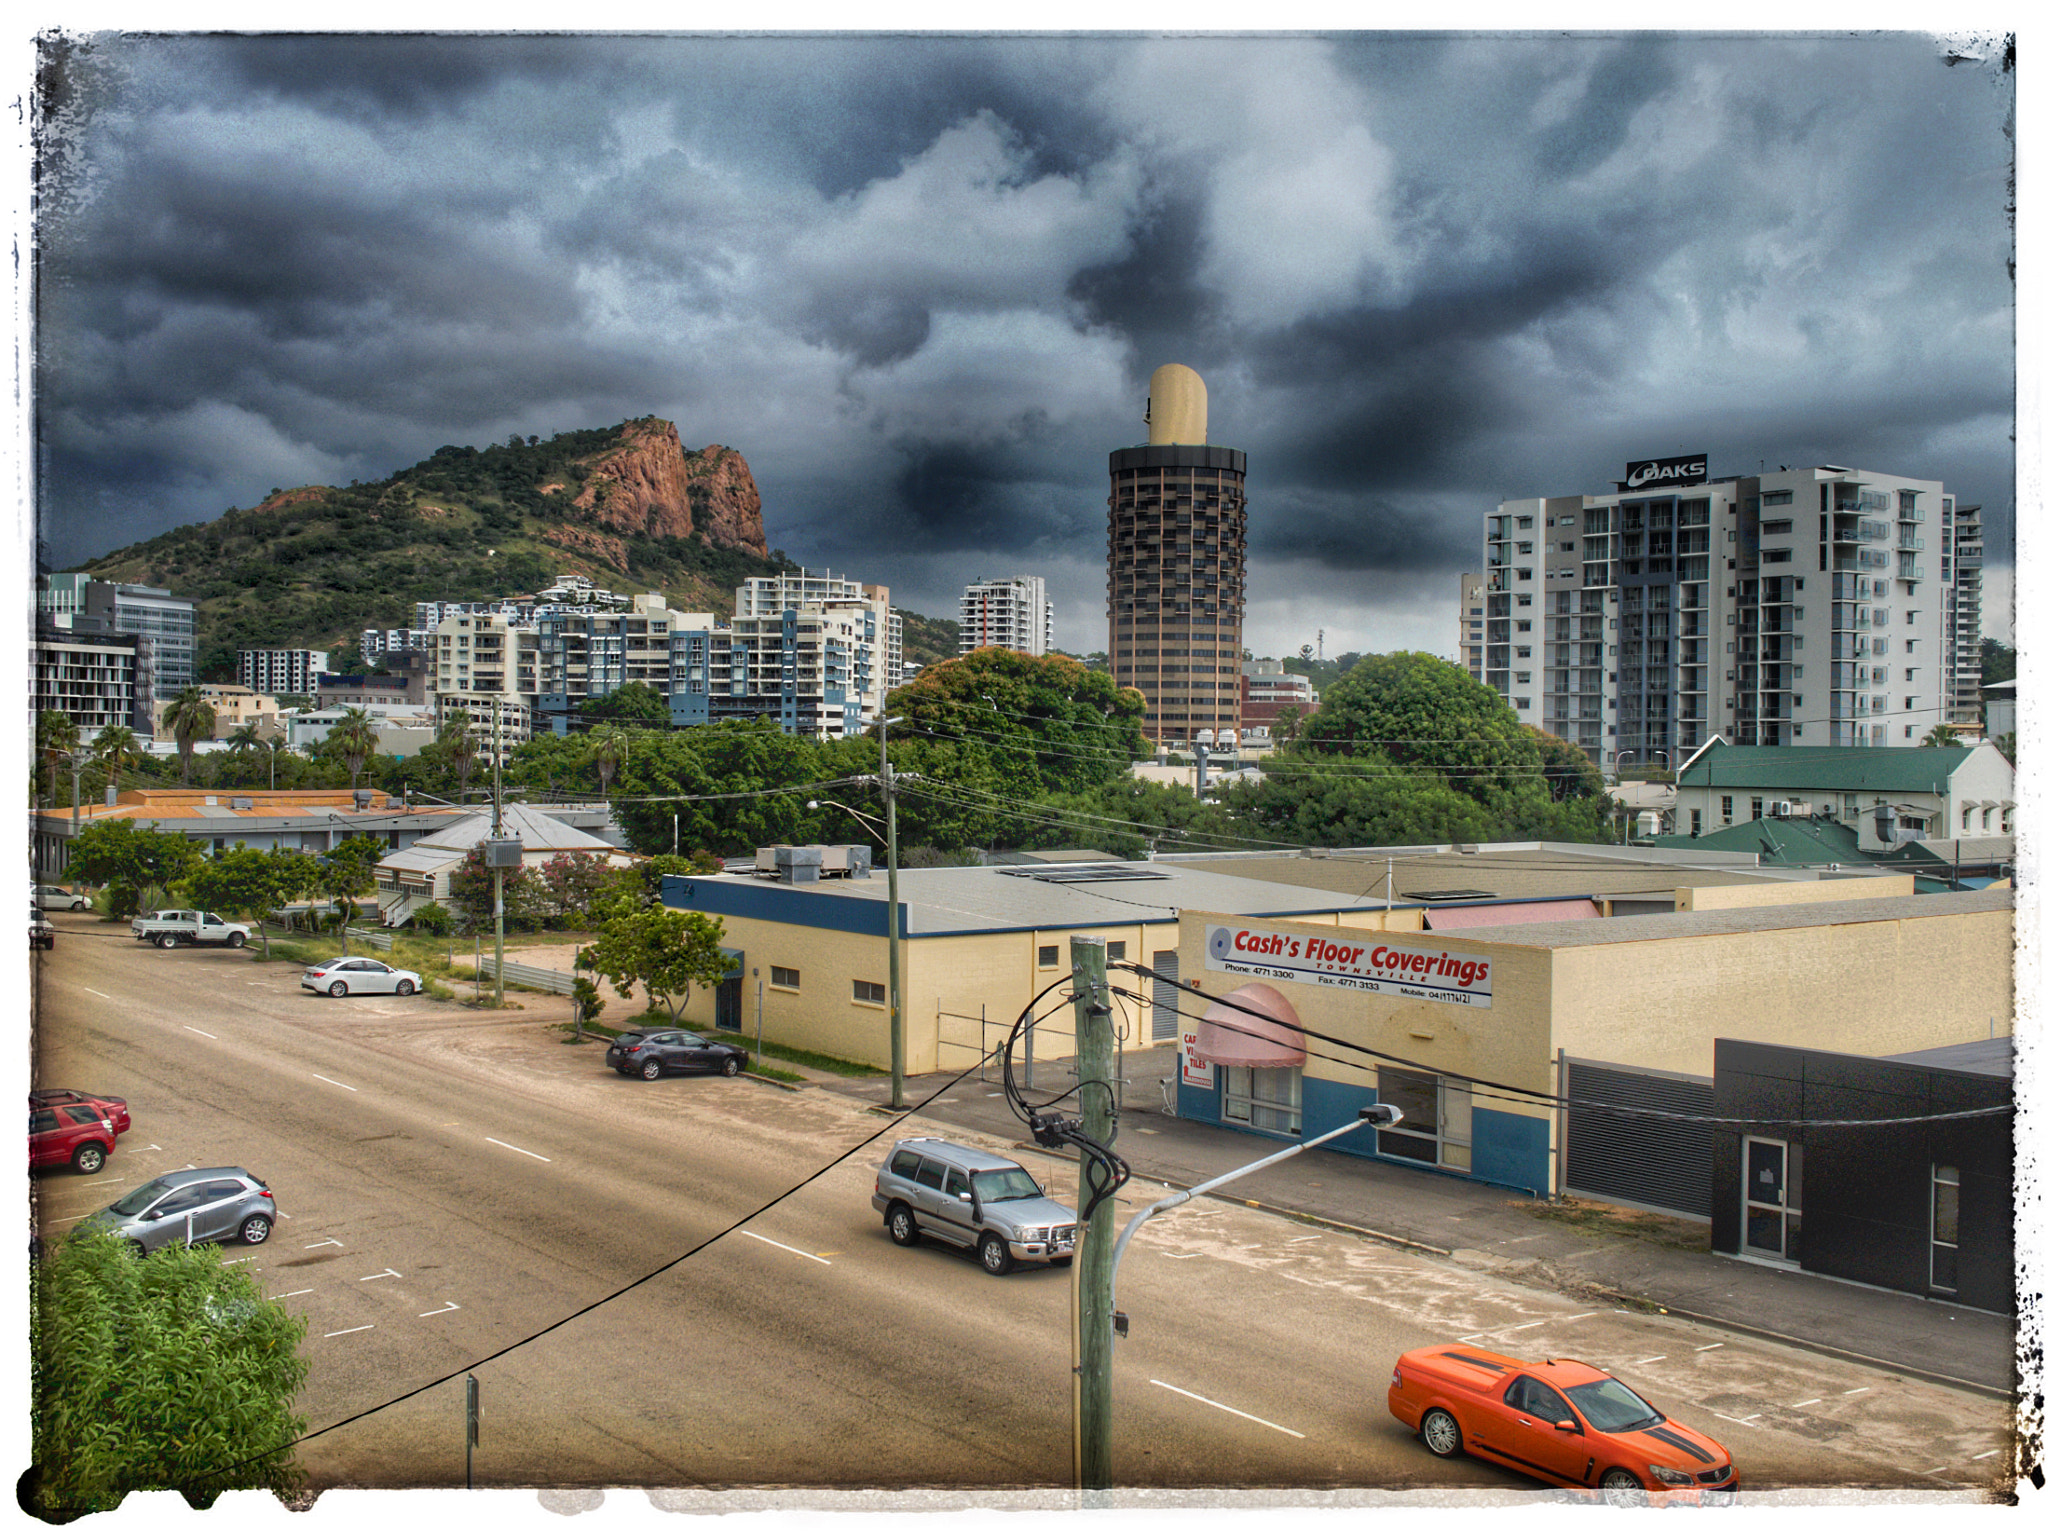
[[142, 1199], [1611, 1407], [1005, 1184]]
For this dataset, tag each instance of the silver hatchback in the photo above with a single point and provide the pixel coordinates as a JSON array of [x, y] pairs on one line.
[[192, 1205], [974, 1200]]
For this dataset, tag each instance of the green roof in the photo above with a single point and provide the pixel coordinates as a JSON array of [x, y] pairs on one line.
[[1796, 840], [1789, 769]]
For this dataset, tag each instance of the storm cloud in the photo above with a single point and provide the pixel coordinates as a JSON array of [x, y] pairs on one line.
[[921, 282]]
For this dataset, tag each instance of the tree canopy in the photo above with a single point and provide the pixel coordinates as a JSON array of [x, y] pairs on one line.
[[666, 951], [130, 859]]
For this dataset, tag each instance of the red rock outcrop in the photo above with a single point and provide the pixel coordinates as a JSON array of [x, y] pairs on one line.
[[651, 484]]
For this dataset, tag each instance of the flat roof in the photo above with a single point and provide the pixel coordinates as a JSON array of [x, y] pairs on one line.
[[1984, 1058], [1525, 871]]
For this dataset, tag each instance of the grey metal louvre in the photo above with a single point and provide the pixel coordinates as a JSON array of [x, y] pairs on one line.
[[1646, 1161]]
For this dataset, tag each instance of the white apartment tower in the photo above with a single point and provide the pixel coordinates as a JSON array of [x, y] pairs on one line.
[[1793, 608], [1013, 612]]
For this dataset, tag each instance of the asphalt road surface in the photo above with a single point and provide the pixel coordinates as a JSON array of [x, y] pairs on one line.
[[681, 1285]]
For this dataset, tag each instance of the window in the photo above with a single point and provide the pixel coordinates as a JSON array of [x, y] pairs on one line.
[[1945, 1213], [1756, 808], [1264, 1098], [1695, 823], [870, 992], [784, 976], [1436, 1118], [1115, 949], [1048, 956], [1727, 810]]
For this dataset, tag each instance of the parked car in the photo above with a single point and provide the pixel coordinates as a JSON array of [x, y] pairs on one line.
[[650, 1054], [42, 933], [115, 1107], [56, 898], [1561, 1420], [974, 1200], [81, 1134], [192, 1205], [167, 930], [358, 973]]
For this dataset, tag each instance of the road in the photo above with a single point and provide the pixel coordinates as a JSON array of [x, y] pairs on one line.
[[682, 1284]]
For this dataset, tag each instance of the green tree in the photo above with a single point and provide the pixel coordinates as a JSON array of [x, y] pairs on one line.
[[188, 718], [572, 883], [2009, 745], [131, 861], [666, 951], [172, 1371], [349, 870], [116, 750], [1999, 662], [56, 741], [355, 738], [628, 704], [242, 882], [1943, 735]]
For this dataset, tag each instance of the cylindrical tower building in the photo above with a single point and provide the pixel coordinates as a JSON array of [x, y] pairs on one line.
[[1176, 565]]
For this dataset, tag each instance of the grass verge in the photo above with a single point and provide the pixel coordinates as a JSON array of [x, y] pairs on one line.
[[1620, 1221]]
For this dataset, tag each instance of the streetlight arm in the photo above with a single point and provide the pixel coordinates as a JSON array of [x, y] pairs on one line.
[[1378, 1116]]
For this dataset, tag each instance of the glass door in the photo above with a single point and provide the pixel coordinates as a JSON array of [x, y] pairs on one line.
[[1770, 1209]]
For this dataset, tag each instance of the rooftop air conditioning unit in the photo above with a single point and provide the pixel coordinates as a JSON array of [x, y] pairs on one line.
[[1781, 808]]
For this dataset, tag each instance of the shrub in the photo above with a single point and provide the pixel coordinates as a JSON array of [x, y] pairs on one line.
[[435, 919]]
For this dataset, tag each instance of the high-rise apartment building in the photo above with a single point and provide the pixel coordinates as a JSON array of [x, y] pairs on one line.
[[91, 678], [1471, 643], [1176, 565], [1013, 612], [1962, 541], [275, 670], [168, 625], [812, 653], [1794, 608]]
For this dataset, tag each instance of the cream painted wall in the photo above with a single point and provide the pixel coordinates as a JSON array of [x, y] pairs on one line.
[[1786, 893], [1869, 989]]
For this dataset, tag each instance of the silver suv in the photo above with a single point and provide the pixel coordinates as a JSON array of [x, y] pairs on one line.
[[973, 1200]]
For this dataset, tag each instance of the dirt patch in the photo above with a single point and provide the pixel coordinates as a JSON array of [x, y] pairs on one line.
[[1620, 1221]]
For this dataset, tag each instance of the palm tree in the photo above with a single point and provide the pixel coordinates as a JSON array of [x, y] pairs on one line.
[[355, 737], [56, 741], [608, 752], [188, 717], [1943, 735], [117, 750], [460, 745]]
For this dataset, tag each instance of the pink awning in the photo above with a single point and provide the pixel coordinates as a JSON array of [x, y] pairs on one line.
[[1498, 914], [1239, 1039]]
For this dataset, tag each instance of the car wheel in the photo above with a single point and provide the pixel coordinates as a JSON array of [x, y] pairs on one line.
[[337, 989], [135, 1243], [256, 1229], [731, 1067], [167, 941], [902, 1226], [651, 1068], [405, 989], [995, 1254], [90, 1158], [1623, 1488], [78, 906], [1441, 1434], [236, 941]]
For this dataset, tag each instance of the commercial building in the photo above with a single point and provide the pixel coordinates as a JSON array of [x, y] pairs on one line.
[[1177, 565], [93, 678], [168, 626], [1790, 608], [1265, 689], [1889, 795], [279, 669], [1013, 613], [233, 707]]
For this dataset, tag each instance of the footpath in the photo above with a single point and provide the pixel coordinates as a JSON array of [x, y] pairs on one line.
[[1597, 1252]]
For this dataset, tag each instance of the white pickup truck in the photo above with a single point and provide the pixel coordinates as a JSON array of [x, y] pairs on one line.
[[167, 930]]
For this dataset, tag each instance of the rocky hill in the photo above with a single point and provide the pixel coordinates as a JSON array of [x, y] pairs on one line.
[[628, 507]]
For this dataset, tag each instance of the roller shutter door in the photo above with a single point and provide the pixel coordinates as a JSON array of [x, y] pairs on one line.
[[1646, 1161]]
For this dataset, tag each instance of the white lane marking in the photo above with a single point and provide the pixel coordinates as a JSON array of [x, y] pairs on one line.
[[510, 1148], [1183, 1391], [325, 1242], [1705, 1347], [1807, 1404], [757, 1237], [95, 994], [1854, 1390], [202, 1032], [1982, 1454], [1650, 1360], [331, 1080], [90, 1183], [451, 1307], [1731, 1417], [1575, 1317], [389, 1274], [306, 1292], [340, 1331]]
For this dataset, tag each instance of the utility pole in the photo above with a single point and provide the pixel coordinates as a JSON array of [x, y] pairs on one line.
[[895, 928], [1095, 1262], [497, 832]]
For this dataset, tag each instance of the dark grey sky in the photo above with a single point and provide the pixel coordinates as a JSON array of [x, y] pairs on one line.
[[920, 282]]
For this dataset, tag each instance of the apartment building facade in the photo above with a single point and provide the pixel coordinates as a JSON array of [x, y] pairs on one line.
[[1792, 608], [1962, 542], [1176, 564], [1471, 643], [1012, 612], [92, 678], [168, 625], [811, 653], [279, 669]]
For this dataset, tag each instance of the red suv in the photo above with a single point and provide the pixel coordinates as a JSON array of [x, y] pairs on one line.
[[75, 1128]]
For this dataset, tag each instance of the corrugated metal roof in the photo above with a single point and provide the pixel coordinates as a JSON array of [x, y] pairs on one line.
[[1790, 769], [537, 830], [1686, 925]]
